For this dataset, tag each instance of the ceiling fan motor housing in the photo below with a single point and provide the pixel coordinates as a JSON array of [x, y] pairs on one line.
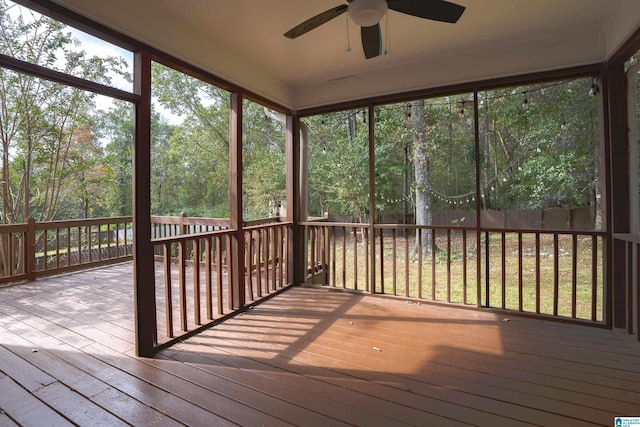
[[367, 12]]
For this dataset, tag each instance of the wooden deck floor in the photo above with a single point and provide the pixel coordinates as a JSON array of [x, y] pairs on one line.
[[307, 357]]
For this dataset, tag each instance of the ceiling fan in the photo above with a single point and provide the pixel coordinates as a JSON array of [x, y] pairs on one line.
[[367, 14]]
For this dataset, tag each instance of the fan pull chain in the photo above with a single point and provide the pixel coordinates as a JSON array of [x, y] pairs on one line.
[[386, 35], [348, 38]]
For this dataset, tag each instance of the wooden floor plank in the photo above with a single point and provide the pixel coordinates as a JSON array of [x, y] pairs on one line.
[[24, 408], [218, 404], [261, 399], [309, 356], [5, 421], [371, 368], [161, 402], [509, 378], [347, 389], [76, 407], [328, 348]]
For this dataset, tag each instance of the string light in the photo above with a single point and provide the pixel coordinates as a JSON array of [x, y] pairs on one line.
[[594, 87], [386, 38], [348, 37]]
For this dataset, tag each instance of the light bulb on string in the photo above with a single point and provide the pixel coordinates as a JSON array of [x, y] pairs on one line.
[[594, 88]]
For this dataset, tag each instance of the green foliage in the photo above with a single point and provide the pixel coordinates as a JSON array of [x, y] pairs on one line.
[[48, 144], [338, 164], [264, 160], [542, 152], [190, 169]]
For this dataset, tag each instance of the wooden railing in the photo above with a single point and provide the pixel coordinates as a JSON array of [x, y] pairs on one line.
[[626, 298], [546, 273], [195, 285], [166, 226], [37, 249]]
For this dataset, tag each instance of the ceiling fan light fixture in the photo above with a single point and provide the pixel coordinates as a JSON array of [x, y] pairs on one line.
[[367, 13]]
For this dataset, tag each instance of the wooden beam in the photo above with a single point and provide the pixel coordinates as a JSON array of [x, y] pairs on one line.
[[235, 192], [616, 162], [296, 249], [372, 196], [144, 283]]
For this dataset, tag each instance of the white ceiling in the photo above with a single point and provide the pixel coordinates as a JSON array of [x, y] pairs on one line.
[[242, 41]]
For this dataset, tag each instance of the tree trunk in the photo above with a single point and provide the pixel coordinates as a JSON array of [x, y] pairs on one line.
[[421, 172]]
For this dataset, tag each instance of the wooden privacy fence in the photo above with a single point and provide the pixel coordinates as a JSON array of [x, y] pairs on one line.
[[35, 249], [548, 273], [576, 219]]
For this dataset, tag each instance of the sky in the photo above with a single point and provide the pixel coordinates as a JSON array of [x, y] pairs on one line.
[[94, 46]]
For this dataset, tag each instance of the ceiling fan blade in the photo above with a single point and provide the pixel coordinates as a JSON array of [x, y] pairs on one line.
[[436, 10], [316, 21], [371, 41]]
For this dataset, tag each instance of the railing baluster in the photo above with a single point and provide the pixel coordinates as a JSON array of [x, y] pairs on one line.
[[281, 251], [504, 270], [10, 257], [594, 278], [487, 284], [407, 263], [258, 261], [57, 247], [538, 273], [556, 268], [230, 283], [89, 241], [448, 265], [464, 268], [68, 246], [208, 276], [219, 288], [196, 282], [381, 262], [394, 264], [99, 243], [333, 256], [249, 263], [433, 264], [419, 232], [79, 255], [355, 258], [574, 275], [182, 283], [367, 271], [265, 261], [520, 274], [44, 245], [273, 257], [344, 257], [167, 290]]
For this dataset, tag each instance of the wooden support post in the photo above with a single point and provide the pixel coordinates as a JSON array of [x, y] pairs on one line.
[[296, 268], [144, 284], [237, 224], [372, 199], [30, 249], [616, 192]]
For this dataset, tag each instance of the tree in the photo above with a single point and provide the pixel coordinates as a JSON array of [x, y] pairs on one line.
[[42, 122], [421, 172], [190, 172], [338, 166]]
